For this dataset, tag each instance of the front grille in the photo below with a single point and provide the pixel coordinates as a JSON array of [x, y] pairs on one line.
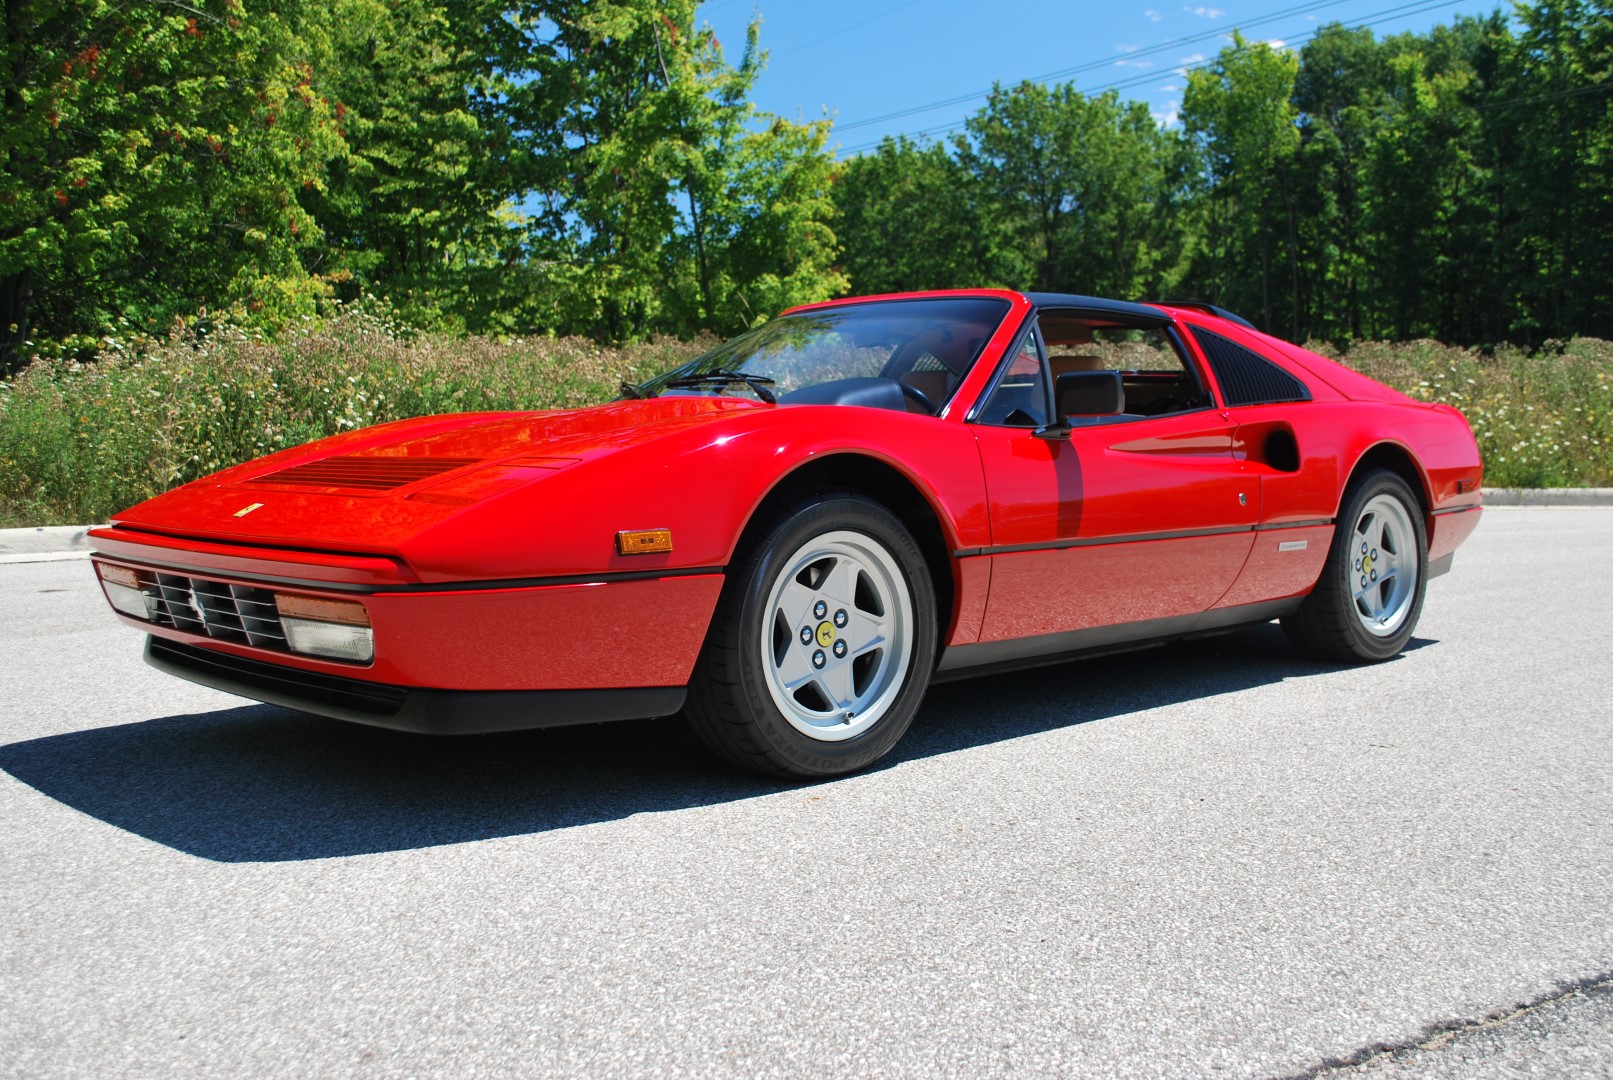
[[364, 472], [218, 609]]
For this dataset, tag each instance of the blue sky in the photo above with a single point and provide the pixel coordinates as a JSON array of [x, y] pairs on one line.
[[861, 60]]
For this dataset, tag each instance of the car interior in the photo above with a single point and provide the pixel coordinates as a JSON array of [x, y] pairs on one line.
[[1148, 375]]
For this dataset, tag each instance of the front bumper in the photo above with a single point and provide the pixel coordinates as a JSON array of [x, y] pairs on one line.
[[427, 711]]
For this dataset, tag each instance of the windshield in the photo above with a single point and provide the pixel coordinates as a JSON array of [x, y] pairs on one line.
[[921, 348]]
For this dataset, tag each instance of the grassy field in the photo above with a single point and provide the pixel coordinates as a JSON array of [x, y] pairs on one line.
[[79, 442]]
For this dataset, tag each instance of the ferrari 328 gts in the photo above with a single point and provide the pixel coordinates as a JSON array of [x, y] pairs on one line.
[[790, 538]]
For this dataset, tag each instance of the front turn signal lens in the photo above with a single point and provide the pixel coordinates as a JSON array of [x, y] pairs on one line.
[[345, 612], [644, 542], [315, 626]]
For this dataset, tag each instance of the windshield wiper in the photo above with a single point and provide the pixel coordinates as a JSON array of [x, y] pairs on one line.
[[723, 376], [631, 391]]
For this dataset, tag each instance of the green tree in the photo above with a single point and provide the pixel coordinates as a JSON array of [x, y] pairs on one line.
[[154, 154], [1240, 112], [1079, 185], [419, 208]]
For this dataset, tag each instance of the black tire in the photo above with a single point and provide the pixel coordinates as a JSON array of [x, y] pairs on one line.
[[739, 702], [1334, 622]]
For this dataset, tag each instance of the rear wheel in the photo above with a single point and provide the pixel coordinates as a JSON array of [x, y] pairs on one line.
[[1366, 605], [821, 646]]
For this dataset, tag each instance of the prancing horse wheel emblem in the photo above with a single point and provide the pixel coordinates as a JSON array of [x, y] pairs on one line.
[[826, 634]]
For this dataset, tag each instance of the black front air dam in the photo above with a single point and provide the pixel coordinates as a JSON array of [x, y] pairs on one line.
[[430, 712]]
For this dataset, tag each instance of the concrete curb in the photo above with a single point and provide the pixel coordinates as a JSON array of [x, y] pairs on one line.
[[45, 543], [48, 543], [1548, 496]]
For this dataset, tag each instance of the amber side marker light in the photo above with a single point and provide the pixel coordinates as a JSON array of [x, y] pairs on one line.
[[339, 629], [644, 542]]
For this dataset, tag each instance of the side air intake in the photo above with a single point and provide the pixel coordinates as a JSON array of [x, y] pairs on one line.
[[1246, 377]]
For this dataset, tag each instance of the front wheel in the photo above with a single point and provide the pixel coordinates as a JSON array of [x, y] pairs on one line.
[[1366, 604], [821, 646]]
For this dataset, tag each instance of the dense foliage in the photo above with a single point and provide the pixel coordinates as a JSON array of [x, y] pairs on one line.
[[81, 441], [1454, 185], [596, 167], [571, 166]]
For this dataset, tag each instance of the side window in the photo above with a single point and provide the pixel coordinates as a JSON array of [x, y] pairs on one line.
[[1156, 377], [1020, 398]]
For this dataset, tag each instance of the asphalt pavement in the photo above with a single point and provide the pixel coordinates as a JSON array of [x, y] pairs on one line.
[[1217, 858]]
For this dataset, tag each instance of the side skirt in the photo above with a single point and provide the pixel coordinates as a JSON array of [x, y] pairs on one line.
[[965, 661]]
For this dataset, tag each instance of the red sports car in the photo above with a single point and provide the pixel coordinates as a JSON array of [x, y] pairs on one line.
[[789, 538]]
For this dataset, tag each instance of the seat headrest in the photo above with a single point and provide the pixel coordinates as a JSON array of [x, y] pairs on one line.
[[1090, 393], [1063, 364]]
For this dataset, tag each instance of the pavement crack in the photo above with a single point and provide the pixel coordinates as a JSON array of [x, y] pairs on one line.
[[1443, 1034]]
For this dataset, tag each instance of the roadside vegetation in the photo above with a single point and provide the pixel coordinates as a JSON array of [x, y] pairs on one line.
[[80, 441]]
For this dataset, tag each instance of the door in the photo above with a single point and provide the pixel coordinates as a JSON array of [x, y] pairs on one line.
[[1132, 518]]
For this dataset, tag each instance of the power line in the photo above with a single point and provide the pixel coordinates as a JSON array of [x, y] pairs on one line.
[[1365, 22], [1093, 65], [1540, 99], [845, 29]]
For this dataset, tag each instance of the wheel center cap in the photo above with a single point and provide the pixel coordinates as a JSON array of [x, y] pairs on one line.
[[826, 634], [1366, 565]]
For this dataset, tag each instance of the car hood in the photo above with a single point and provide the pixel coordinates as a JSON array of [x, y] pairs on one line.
[[370, 491]]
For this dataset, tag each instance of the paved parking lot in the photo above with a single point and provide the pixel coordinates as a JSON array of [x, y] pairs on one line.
[[1215, 858]]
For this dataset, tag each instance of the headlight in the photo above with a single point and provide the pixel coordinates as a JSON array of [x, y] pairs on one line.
[[339, 629]]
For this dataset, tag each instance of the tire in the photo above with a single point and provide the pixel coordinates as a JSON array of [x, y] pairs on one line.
[[1366, 604], [822, 643]]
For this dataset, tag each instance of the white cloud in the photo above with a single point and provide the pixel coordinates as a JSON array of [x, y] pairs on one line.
[[1142, 65], [1189, 61], [1127, 48], [1167, 116], [1204, 12], [1153, 16], [1277, 43]]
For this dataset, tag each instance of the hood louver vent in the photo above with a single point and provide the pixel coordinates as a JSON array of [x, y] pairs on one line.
[[364, 473]]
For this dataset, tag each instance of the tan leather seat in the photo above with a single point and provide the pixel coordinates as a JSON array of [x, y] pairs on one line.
[[1062, 364]]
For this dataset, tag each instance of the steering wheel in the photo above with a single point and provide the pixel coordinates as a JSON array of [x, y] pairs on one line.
[[911, 391]]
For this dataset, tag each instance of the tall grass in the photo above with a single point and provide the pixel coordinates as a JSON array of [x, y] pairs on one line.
[[80, 441], [1542, 419]]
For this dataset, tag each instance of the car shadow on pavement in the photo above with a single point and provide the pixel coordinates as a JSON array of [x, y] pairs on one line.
[[264, 784]]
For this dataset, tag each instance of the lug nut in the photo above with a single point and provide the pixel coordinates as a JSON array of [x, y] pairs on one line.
[[806, 631], [840, 648], [819, 609], [840, 617], [818, 659]]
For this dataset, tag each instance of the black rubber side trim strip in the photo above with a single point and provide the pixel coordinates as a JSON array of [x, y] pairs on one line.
[[1134, 538], [1315, 522], [416, 587], [1456, 510]]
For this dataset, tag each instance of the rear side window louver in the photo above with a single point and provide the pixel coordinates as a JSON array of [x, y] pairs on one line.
[[1246, 377]]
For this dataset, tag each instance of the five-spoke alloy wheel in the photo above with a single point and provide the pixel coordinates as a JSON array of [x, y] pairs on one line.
[[821, 645], [1366, 604]]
